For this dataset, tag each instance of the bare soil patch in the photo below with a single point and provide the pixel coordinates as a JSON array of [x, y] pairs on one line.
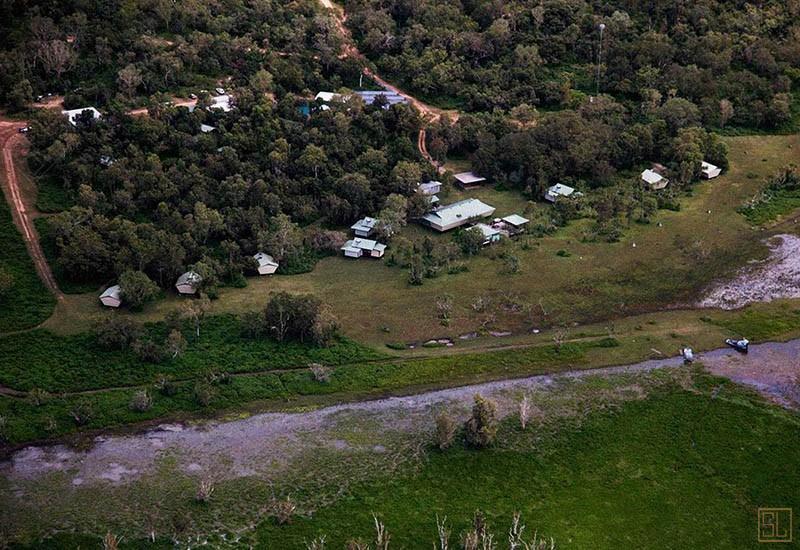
[[775, 278]]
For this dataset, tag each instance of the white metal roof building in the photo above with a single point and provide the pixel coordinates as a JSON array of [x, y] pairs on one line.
[[188, 283], [710, 171], [73, 114], [558, 190], [469, 178], [205, 128], [364, 227], [457, 214], [516, 220], [654, 179], [221, 102], [112, 296], [430, 187], [266, 263], [490, 234], [392, 98], [356, 248]]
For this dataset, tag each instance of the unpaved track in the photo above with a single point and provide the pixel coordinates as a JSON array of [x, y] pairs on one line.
[[9, 138], [256, 445], [429, 113]]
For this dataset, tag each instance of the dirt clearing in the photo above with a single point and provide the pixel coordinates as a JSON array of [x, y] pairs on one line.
[[775, 278]]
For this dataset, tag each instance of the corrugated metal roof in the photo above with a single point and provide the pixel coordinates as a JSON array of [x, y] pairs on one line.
[[461, 210]]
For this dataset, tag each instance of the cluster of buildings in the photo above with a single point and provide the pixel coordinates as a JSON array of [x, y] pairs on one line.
[[367, 96]]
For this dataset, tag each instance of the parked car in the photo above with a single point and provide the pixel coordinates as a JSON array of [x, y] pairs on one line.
[[24, 130], [192, 96], [739, 345], [39, 98], [688, 355], [219, 91]]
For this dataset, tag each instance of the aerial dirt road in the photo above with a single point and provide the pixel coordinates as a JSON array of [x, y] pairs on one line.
[[9, 137]]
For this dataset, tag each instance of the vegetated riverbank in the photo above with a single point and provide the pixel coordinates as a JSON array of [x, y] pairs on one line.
[[318, 456]]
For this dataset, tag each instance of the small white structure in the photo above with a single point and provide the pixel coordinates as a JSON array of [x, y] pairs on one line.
[[221, 103], [515, 223], [106, 161], [73, 114], [469, 179], [710, 171], [328, 97], [266, 263], [430, 187], [112, 296], [654, 180], [490, 234], [457, 214], [357, 248], [557, 191], [205, 128], [188, 283], [364, 227]]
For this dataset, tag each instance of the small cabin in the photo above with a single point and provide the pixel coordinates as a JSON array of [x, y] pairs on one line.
[[364, 227], [654, 180], [490, 234], [73, 114], [112, 296], [430, 187], [266, 263], [467, 180], [188, 283], [358, 248], [514, 223], [206, 129], [557, 191]]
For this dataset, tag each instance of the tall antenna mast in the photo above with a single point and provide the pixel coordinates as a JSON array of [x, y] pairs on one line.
[[599, 58]]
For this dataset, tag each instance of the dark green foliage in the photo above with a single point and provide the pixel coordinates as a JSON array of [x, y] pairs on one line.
[[303, 318], [25, 302], [480, 430], [279, 371], [666, 461]]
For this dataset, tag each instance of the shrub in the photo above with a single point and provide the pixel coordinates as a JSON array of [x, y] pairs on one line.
[[82, 413], [141, 401], [116, 332], [38, 397], [299, 317], [480, 430], [445, 430], [204, 491], [166, 385], [321, 373], [253, 324], [283, 511], [148, 350], [204, 394], [136, 289]]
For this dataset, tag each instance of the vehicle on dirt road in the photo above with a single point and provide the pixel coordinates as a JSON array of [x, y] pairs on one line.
[[24, 130], [739, 345]]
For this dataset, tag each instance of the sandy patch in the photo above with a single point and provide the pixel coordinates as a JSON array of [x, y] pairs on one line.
[[775, 278]]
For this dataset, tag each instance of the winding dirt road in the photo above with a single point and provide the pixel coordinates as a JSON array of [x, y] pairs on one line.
[[430, 114], [9, 138]]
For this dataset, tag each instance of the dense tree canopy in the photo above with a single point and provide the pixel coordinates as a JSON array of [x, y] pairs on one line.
[[731, 60]]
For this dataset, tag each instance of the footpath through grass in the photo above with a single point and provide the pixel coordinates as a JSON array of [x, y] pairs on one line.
[[678, 470], [27, 303], [223, 371]]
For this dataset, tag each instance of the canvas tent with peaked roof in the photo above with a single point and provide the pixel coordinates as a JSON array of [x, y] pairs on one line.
[[188, 283], [112, 296], [266, 263]]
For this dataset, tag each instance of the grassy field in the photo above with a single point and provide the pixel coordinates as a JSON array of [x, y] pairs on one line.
[[675, 471], [263, 375], [28, 303], [675, 256], [683, 465]]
